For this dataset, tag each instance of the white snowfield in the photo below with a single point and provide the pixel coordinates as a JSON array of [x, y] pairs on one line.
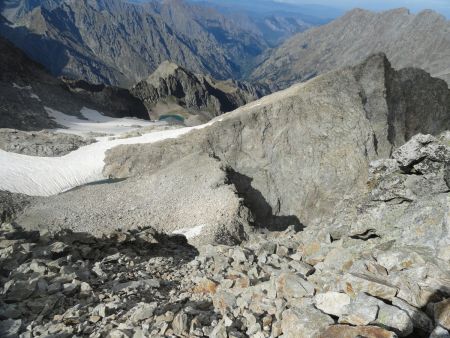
[[96, 123], [46, 176]]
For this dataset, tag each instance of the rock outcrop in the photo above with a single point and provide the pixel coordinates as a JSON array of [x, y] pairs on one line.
[[172, 91], [41, 143], [409, 40], [408, 199], [117, 102], [297, 154]]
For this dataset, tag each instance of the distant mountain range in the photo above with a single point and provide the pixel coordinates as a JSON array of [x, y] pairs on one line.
[[276, 20], [119, 42], [122, 42], [309, 12], [28, 91], [409, 40]]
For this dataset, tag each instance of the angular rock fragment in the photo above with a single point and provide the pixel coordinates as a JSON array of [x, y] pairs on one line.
[[442, 313], [419, 319], [290, 286], [10, 328], [440, 332], [332, 303], [353, 284], [345, 331], [304, 322]]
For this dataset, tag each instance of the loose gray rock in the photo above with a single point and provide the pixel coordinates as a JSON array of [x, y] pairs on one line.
[[332, 303], [43, 143]]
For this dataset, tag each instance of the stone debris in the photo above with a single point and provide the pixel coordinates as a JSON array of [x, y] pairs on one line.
[[375, 279], [139, 284]]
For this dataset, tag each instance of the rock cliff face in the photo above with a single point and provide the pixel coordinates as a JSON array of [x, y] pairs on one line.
[[117, 102], [80, 39], [174, 91], [26, 89], [407, 39], [295, 155]]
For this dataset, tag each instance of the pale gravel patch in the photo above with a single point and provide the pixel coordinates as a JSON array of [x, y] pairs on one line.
[[190, 232]]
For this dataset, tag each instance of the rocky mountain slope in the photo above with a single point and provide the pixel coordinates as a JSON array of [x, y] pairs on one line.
[[381, 269], [172, 91], [291, 158], [294, 156], [409, 40], [27, 90], [80, 39]]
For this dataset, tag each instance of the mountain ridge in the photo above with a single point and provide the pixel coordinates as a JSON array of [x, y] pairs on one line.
[[409, 40]]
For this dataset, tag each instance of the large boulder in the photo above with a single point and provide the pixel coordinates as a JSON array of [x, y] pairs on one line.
[[408, 199]]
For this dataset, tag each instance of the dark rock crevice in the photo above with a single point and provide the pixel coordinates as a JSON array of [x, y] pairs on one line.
[[262, 211]]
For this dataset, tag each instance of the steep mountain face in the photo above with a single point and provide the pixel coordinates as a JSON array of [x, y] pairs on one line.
[[295, 155], [172, 91], [117, 42], [409, 40], [277, 28], [26, 90]]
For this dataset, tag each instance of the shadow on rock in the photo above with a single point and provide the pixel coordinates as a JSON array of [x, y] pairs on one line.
[[262, 211]]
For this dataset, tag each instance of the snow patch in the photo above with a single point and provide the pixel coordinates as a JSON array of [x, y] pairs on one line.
[[190, 232], [15, 85], [34, 96], [95, 122], [46, 176]]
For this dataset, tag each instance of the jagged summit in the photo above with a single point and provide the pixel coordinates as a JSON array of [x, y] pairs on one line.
[[175, 92], [164, 70]]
